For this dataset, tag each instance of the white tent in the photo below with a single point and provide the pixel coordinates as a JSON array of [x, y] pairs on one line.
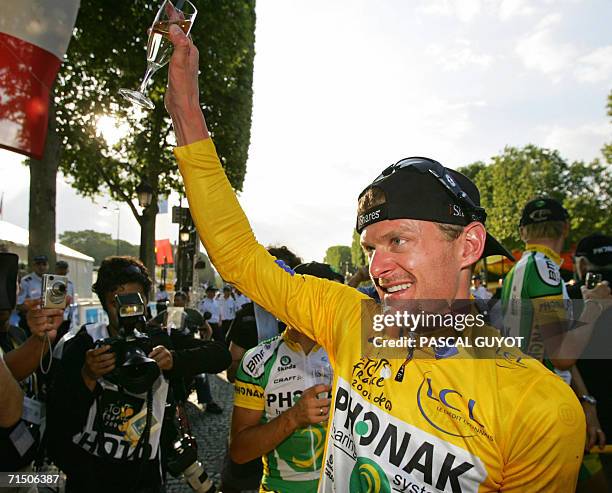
[[16, 240]]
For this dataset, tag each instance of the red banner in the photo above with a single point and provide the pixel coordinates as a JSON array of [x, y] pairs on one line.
[[163, 252]]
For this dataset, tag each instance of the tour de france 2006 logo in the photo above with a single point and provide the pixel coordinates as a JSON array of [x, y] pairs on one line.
[[368, 476]]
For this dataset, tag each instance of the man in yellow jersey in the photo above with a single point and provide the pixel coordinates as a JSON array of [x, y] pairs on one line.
[[436, 424]]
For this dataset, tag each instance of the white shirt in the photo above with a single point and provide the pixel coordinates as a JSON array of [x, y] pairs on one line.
[[241, 300], [481, 293], [162, 296], [228, 308], [30, 288], [211, 306]]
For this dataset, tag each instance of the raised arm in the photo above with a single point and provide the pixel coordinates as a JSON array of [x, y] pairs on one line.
[[182, 97], [317, 307]]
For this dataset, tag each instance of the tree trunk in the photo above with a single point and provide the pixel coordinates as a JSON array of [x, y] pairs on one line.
[[43, 173], [147, 237]]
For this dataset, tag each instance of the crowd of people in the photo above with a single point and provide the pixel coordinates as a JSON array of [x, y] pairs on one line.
[[317, 406]]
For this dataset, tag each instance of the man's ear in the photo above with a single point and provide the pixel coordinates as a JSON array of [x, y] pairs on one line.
[[581, 268], [473, 240]]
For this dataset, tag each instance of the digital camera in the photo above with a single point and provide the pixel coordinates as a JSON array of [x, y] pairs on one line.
[[54, 290], [183, 460], [592, 279], [134, 370]]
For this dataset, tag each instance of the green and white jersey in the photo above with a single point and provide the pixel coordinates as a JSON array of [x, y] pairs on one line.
[[534, 296], [271, 378]]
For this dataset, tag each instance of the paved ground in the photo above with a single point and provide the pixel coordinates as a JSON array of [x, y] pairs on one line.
[[211, 432]]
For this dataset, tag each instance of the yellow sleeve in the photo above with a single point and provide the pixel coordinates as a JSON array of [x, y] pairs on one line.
[[249, 395], [545, 439], [321, 309]]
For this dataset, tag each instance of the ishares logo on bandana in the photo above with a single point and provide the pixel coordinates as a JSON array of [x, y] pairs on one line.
[[367, 218]]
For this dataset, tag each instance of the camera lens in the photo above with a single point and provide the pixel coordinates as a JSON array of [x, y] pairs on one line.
[[57, 292]]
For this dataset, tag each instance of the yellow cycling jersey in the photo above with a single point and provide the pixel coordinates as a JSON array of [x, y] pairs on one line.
[[451, 424]]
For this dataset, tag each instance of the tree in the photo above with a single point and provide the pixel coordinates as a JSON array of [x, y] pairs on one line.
[[358, 258], [107, 53], [518, 175], [97, 245], [339, 257], [41, 218], [607, 149]]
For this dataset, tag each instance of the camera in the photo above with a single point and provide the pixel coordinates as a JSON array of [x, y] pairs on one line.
[[9, 266], [592, 279], [134, 370], [183, 460], [54, 291]]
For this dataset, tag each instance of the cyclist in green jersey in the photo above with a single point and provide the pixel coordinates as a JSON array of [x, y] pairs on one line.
[[534, 299], [277, 410], [534, 295]]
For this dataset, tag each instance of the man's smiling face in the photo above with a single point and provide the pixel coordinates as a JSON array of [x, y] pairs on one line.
[[412, 259]]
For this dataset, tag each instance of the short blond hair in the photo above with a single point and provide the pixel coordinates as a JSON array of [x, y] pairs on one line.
[[549, 230]]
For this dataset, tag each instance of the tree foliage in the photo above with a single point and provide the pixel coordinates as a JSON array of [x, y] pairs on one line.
[[607, 149], [97, 245], [358, 258], [339, 257], [108, 52], [518, 175]]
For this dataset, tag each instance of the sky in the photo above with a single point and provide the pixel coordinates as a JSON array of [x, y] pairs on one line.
[[342, 89]]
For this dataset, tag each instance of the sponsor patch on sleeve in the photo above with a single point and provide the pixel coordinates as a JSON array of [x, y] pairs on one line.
[[248, 395], [548, 270]]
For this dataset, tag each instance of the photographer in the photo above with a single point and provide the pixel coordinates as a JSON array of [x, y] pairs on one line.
[[106, 424], [20, 440]]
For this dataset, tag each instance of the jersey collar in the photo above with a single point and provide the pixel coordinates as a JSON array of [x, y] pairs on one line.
[[555, 257]]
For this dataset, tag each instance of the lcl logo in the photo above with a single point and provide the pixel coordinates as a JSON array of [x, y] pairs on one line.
[[455, 407]]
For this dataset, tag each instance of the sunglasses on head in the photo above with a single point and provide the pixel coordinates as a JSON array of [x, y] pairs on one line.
[[426, 165]]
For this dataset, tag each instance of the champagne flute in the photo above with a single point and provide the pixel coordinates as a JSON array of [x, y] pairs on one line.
[[159, 47], [322, 374]]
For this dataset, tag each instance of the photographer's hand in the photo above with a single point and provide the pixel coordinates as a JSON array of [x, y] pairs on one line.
[[98, 362], [162, 357], [43, 320]]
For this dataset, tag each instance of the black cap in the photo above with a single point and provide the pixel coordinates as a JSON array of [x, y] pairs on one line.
[[317, 269], [211, 288], [541, 210], [41, 259], [597, 248], [61, 264], [428, 191]]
